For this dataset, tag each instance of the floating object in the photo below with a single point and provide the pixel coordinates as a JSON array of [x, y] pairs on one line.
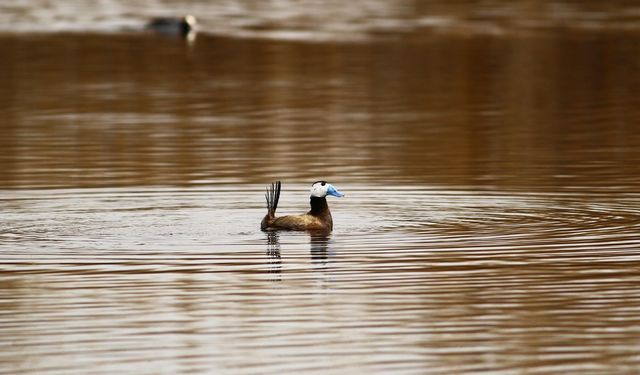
[[177, 26]]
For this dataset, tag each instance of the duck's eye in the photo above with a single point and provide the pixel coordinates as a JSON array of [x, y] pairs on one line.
[[323, 183]]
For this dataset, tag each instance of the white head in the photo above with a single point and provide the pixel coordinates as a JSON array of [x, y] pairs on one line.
[[190, 20], [321, 189]]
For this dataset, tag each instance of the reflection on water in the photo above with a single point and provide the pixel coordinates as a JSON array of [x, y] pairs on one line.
[[411, 280], [273, 253], [490, 157], [523, 112], [318, 249]]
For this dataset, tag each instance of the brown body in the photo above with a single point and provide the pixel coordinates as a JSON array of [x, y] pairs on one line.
[[317, 219]]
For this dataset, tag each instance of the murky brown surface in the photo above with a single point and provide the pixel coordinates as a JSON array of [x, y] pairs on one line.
[[490, 160]]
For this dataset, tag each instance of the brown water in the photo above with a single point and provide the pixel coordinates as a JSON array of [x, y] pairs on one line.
[[491, 166]]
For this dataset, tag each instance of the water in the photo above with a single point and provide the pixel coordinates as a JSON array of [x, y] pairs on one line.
[[490, 163]]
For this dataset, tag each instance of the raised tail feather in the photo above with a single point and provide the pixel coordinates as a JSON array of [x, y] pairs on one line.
[[272, 195]]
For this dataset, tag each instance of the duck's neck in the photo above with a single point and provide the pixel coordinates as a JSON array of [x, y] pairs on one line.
[[319, 207]]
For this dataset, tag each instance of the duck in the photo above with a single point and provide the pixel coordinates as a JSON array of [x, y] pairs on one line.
[[317, 219], [178, 26]]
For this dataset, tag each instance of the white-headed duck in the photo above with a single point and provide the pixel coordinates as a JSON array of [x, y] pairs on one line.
[[317, 219]]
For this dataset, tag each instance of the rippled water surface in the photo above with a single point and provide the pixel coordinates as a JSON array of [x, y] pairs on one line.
[[416, 280], [490, 156]]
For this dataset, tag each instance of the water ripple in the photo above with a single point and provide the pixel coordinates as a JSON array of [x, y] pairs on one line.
[[183, 280]]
